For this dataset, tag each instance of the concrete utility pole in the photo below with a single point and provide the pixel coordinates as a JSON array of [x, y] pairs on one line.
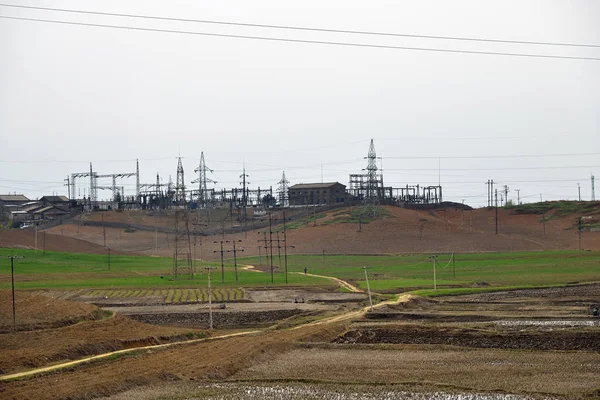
[[518, 196], [368, 288], [579, 227], [271, 245], [235, 250], [593, 189], [285, 248], [434, 258], [506, 194], [496, 194], [210, 317], [579, 190], [222, 262], [12, 279]]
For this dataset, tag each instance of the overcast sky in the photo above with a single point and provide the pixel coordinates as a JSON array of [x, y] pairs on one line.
[[74, 94]]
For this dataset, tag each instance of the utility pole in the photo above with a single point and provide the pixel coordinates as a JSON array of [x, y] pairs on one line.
[[222, 263], [68, 185], [235, 259], [505, 194], [434, 258], [103, 230], [210, 317], [12, 279], [518, 196], [579, 190], [593, 189], [368, 288], [496, 194], [285, 248], [271, 244], [279, 250], [579, 227]]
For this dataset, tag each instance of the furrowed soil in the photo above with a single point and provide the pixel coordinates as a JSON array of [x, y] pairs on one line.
[[424, 356], [37, 312]]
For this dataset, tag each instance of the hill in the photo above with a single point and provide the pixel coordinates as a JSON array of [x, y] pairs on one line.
[[350, 230]]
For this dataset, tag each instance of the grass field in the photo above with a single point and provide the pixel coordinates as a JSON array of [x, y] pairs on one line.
[[402, 272], [56, 270], [387, 273]]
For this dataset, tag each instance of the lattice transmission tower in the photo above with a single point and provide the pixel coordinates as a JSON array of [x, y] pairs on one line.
[[180, 184], [282, 190], [372, 192], [182, 250], [202, 181]]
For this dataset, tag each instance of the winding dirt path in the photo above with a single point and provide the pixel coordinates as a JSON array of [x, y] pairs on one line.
[[337, 318], [340, 282], [56, 367]]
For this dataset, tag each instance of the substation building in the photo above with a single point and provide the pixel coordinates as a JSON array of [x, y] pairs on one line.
[[318, 194]]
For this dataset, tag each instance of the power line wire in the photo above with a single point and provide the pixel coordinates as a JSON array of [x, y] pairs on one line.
[[303, 28], [278, 39], [486, 157]]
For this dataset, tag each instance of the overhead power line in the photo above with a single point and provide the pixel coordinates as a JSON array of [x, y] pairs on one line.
[[486, 157], [330, 43], [492, 169], [302, 28]]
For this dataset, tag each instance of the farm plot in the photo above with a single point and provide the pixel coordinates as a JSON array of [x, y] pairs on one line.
[[148, 296]]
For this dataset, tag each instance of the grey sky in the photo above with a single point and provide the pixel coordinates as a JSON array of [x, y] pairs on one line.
[[74, 94]]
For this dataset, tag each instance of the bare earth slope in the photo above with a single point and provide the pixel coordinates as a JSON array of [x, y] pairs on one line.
[[399, 230]]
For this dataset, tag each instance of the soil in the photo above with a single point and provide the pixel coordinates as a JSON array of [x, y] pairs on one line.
[[39, 312], [398, 231], [25, 350], [587, 340]]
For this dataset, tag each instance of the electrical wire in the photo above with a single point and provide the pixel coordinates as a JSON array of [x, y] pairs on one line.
[[305, 41], [301, 28]]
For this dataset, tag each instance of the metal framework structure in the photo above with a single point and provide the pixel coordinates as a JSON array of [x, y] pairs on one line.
[[117, 191], [182, 250], [368, 187], [180, 185], [282, 191], [203, 194]]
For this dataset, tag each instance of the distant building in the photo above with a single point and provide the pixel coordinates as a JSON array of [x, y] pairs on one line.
[[55, 201], [317, 194], [12, 199]]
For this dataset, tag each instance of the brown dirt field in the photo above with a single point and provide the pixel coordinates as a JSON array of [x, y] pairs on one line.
[[55, 241], [309, 353], [37, 311], [197, 361], [399, 232], [26, 350], [550, 373]]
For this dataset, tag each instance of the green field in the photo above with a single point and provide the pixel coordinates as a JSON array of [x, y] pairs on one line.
[[393, 273], [56, 270], [387, 273]]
